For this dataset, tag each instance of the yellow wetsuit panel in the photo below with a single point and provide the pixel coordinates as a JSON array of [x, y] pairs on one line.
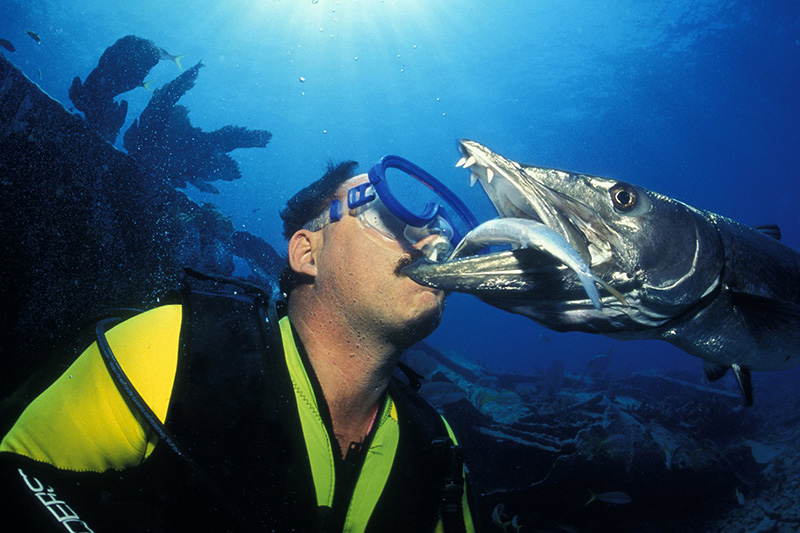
[[318, 444], [81, 422]]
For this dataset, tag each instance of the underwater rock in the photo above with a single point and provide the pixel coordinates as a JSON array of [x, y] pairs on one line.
[[554, 377], [676, 448], [165, 143], [775, 506], [441, 392], [677, 403], [598, 368], [85, 229], [122, 67], [669, 475]]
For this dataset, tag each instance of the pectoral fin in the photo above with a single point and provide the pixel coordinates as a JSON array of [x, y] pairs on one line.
[[745, 383], [714, 371], [764, 315], [773, 230]]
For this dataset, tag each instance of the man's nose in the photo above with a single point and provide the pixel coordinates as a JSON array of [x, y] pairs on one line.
[[430, 239], [435, 247]]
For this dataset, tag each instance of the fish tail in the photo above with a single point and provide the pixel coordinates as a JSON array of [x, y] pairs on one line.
[[177, 60], [591, 499], [587, 280], [614, 292]]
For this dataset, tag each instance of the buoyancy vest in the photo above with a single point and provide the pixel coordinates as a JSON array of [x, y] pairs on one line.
[[244, 454]]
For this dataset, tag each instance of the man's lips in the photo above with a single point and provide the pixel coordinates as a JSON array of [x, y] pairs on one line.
[[411, 257]]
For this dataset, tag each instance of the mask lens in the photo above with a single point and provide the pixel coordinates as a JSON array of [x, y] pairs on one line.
[[438, 226], [377, 216], [411, 193], [421, 199]]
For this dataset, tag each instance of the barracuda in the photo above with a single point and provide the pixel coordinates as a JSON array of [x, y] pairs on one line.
[[715, 288]]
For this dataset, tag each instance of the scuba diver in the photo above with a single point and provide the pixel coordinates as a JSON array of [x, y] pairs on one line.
[[225, 409]]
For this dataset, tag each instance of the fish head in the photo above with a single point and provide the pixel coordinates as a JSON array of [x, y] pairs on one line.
[[660, 254]]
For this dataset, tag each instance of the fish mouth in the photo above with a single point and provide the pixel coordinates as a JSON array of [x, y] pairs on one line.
[[522, 191], [544, 195]]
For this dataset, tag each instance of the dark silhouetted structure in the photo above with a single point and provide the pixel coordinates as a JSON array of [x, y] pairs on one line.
[[122, 67], [164, 141]]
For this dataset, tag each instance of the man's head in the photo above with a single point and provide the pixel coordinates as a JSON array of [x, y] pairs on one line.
[[350, 266], [305, 205]]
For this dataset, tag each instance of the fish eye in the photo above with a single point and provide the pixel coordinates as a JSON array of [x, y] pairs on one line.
[[624, 197]]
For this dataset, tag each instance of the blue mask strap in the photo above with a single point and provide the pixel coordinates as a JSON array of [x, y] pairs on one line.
[[335, 212], [360, 195]]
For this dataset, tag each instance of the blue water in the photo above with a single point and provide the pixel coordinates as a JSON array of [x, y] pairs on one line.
[[694, 99]]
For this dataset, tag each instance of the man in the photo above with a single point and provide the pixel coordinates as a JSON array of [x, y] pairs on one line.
[[222, 411]]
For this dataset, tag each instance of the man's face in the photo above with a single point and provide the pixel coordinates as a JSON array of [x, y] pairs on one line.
[[358, 269]]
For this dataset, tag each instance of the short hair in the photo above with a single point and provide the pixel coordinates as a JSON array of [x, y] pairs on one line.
[[307, 204], [312, 199]]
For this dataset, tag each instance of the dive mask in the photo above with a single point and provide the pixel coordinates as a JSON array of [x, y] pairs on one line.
[[401, 201]]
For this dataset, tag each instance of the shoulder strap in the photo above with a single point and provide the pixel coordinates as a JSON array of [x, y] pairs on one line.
[[452, 459], [132, 397], [234, 406], [429, 466], [129, 393]]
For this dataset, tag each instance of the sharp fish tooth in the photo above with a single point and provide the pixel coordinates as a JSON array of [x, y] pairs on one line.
[[470, 161], [461, 162], [489, 174], [473, 177]]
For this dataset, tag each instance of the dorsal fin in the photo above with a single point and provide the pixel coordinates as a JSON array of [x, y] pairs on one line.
[[773, 230]]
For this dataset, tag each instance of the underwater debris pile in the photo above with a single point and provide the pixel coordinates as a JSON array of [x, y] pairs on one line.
[[542, 445], [85, 229], [775, 508]]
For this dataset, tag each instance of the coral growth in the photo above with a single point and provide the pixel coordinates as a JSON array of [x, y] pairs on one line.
[[165, 143], [121, 68]]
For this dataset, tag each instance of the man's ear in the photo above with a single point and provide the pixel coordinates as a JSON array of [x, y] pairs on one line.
[[303, 251]]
